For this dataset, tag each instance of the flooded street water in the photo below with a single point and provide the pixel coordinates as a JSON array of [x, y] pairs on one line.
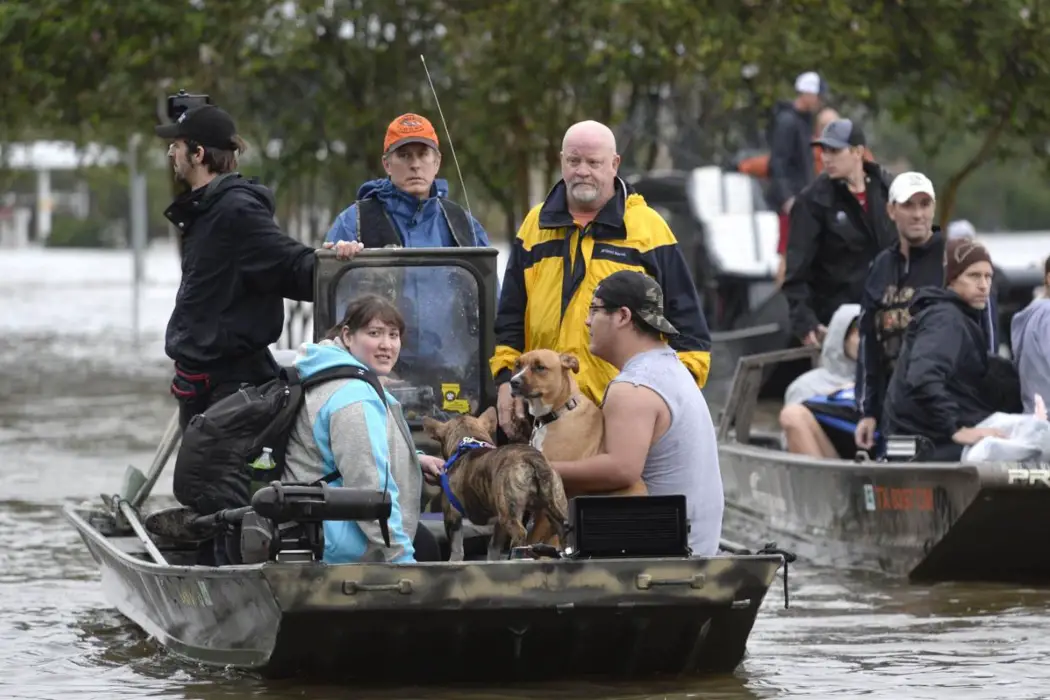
[[80, 400]]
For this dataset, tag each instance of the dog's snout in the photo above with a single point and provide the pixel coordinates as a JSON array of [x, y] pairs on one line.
[[515, 381]]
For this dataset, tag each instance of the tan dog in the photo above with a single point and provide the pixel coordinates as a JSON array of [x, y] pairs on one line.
[[567, 425], [493, 485]]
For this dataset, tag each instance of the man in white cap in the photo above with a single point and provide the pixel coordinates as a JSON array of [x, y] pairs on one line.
[[791, 155], [915, 261]]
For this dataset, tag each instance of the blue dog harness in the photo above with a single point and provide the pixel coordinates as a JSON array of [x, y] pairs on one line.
[[465, 445]]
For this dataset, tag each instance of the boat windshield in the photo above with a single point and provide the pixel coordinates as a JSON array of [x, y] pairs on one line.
[[439, 371]]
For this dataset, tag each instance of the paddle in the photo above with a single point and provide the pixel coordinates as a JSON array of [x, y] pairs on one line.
[[137, 486]]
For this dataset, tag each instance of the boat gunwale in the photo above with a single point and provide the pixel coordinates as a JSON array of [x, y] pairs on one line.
[[791, 459], [735, 429], [73, 514]]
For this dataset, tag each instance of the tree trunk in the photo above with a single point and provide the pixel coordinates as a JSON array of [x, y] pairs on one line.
[[522, 177], [512, 223], [521, 170], [983, 155]]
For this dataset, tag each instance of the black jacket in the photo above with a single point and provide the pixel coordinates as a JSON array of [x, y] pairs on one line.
[[938, 384], [888, 293], [790, 153], [237, 268], [831, 246]]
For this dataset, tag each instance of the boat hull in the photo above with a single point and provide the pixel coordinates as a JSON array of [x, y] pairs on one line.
[[927, 521], [519, 619]]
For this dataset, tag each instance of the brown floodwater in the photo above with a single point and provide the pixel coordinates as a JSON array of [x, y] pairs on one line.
[[80, 399]]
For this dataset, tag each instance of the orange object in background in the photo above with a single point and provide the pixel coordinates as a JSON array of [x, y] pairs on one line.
[[758, 166], [755, 166]]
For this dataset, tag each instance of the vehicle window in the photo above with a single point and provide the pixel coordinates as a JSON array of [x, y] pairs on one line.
[[439, 370]]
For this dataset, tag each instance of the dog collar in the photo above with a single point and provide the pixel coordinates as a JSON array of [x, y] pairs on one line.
[[465, 445], [555, 414]]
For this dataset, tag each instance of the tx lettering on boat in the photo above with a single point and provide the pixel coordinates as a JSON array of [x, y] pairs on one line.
[[897, 498]]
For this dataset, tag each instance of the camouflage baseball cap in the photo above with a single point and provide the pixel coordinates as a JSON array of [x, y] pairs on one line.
[[638, 292]]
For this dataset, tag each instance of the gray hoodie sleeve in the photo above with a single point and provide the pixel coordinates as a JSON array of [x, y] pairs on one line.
[[369, 457], [836, 369], [1030, 338]]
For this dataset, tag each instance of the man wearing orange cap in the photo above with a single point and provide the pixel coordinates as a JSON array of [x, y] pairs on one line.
[[410, 208]]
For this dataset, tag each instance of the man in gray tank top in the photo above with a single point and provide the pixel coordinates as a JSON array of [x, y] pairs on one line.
[[657, 424]]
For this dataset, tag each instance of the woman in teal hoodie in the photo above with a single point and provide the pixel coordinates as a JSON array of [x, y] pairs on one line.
[[344, 427]]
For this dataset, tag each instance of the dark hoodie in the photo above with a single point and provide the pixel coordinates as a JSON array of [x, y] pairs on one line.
[[790, 153], [938, 385], [237, 269], [888, 293]]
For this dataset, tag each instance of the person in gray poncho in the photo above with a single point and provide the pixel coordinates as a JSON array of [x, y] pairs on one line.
[[820, 412], [1030, 337]]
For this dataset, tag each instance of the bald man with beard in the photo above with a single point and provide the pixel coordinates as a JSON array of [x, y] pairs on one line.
[[590, 225]]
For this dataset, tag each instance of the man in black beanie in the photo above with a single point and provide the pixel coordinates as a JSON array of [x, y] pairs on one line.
[[938, 390]]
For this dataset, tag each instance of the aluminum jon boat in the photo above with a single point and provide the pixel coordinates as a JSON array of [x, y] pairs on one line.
[[626, 602], [927, 521]]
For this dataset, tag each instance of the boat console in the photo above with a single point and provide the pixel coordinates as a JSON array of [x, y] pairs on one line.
[[604, 527]]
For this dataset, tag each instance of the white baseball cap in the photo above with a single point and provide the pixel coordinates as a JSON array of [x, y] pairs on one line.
[[810, 82], [961, 228], [906, 185]]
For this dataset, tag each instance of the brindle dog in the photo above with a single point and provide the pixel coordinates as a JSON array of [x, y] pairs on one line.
[[496, 485]]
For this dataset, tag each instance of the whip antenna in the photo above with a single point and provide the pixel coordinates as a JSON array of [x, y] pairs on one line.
[[455, 160]]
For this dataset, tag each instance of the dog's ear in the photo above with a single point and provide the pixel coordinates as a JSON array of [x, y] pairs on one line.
[[433, 428], [569, 361], [489, 420]]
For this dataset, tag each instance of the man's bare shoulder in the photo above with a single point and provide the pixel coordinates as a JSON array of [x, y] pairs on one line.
[[625, 395]]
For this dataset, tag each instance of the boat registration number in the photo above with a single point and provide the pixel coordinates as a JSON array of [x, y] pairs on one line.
[[894, 498]]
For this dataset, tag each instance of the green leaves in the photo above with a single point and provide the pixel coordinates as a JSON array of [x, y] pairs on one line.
[[323, 78]]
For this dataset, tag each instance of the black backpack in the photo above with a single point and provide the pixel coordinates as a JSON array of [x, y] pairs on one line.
[[212, 469]]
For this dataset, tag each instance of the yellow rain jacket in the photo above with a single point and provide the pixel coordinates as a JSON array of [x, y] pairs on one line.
[[554, 268]]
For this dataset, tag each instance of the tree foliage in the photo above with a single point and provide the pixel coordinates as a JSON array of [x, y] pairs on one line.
[[945, 69], [314, 83]]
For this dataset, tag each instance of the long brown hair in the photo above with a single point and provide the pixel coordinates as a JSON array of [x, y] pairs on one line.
[[219, 160], [365, 309]]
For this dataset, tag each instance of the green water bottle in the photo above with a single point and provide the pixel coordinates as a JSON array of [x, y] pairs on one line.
[[262, 470]]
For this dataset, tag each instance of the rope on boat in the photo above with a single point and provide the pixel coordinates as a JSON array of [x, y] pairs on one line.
[[771, 548]]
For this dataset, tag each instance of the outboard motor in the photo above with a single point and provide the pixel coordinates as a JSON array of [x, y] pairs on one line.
[[286, 521]]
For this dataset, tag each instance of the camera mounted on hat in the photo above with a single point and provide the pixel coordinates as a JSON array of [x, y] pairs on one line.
[[183, 101]]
